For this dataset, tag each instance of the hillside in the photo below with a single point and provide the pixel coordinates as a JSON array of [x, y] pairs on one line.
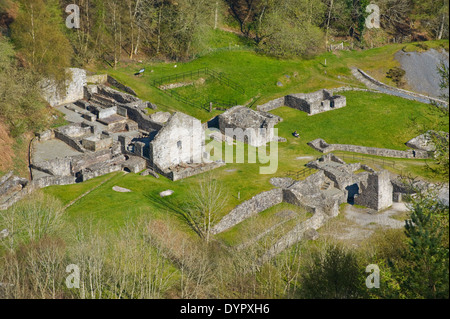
[[6, 149], [155, 194]]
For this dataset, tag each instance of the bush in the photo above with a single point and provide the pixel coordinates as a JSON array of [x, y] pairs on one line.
[[334, 274], [396, 74]]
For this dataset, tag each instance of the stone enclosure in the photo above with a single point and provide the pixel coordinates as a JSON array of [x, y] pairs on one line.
[[109, 131], [311, 103], [323, 147], [246, 125], [321, 194]]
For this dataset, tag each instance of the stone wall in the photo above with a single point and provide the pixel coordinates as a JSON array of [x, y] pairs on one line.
[[90, 173], [74, 88], [104, 113], [376, 192], [53, 180], [80, 162], [132, 107], [272, 105], [299, 232], [23, 187], [180, 141], [120, 86], [257, 204], [11, 185], [95, 144], [46, 135], [97, 79], [323, 147], [75, 130], [297, 101], [361, 75], [120, 97], [70, 141], [311, 103], [56, 167], [135, 164], [316, 102], [192, 171], [255, 128], [142, 119]]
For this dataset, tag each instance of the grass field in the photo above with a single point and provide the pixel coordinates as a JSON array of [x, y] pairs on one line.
[[373, 120], [393, 121], [259, 74]]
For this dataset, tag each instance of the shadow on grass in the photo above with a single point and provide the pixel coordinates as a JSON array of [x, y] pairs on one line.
[[174, 207]]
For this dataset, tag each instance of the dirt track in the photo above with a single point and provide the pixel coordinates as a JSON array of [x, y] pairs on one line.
[[6, 151]]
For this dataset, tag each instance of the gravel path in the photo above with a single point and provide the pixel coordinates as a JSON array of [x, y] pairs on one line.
[[370, 219], [421, 70]]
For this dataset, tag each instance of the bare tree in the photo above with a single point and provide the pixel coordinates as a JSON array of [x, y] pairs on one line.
[[207, 200]]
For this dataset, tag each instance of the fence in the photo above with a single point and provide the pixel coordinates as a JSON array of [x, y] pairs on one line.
[[381, 162], [305, 172], [225, 104], [157, 83], [205, 71]]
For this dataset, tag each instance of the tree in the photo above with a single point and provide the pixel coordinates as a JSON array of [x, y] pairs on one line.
[[31, 220], [205, 204], [334, 274], [292, 29], [395, 16], [348, 19], [286, 29], [38, 37], [19, 93], [432, 16], [441, 139], [426, 274]]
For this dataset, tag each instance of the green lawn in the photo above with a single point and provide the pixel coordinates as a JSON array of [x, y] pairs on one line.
[[256, 225], [259, 75], [369, 119], [373, 120], [390, 125]]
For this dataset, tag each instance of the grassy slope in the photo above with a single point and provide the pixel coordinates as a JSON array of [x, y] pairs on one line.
[[6, 149], [369, 119], [245, 179], [258, 74]]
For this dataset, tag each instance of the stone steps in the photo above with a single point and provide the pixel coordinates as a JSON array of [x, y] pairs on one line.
[[326, 186], [102, 100]]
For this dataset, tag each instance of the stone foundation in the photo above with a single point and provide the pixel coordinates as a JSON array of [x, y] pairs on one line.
[[323, 147]]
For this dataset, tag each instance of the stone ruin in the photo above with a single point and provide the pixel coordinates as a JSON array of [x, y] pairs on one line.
[[360, 184], [110, 131], [249, 126], [86, 154], [311, 103], [425, 142], [317, 102], [321, 146], [321, 194], [169, 144]]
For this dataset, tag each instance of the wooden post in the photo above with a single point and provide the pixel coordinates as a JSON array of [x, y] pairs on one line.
[[210, 107]]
